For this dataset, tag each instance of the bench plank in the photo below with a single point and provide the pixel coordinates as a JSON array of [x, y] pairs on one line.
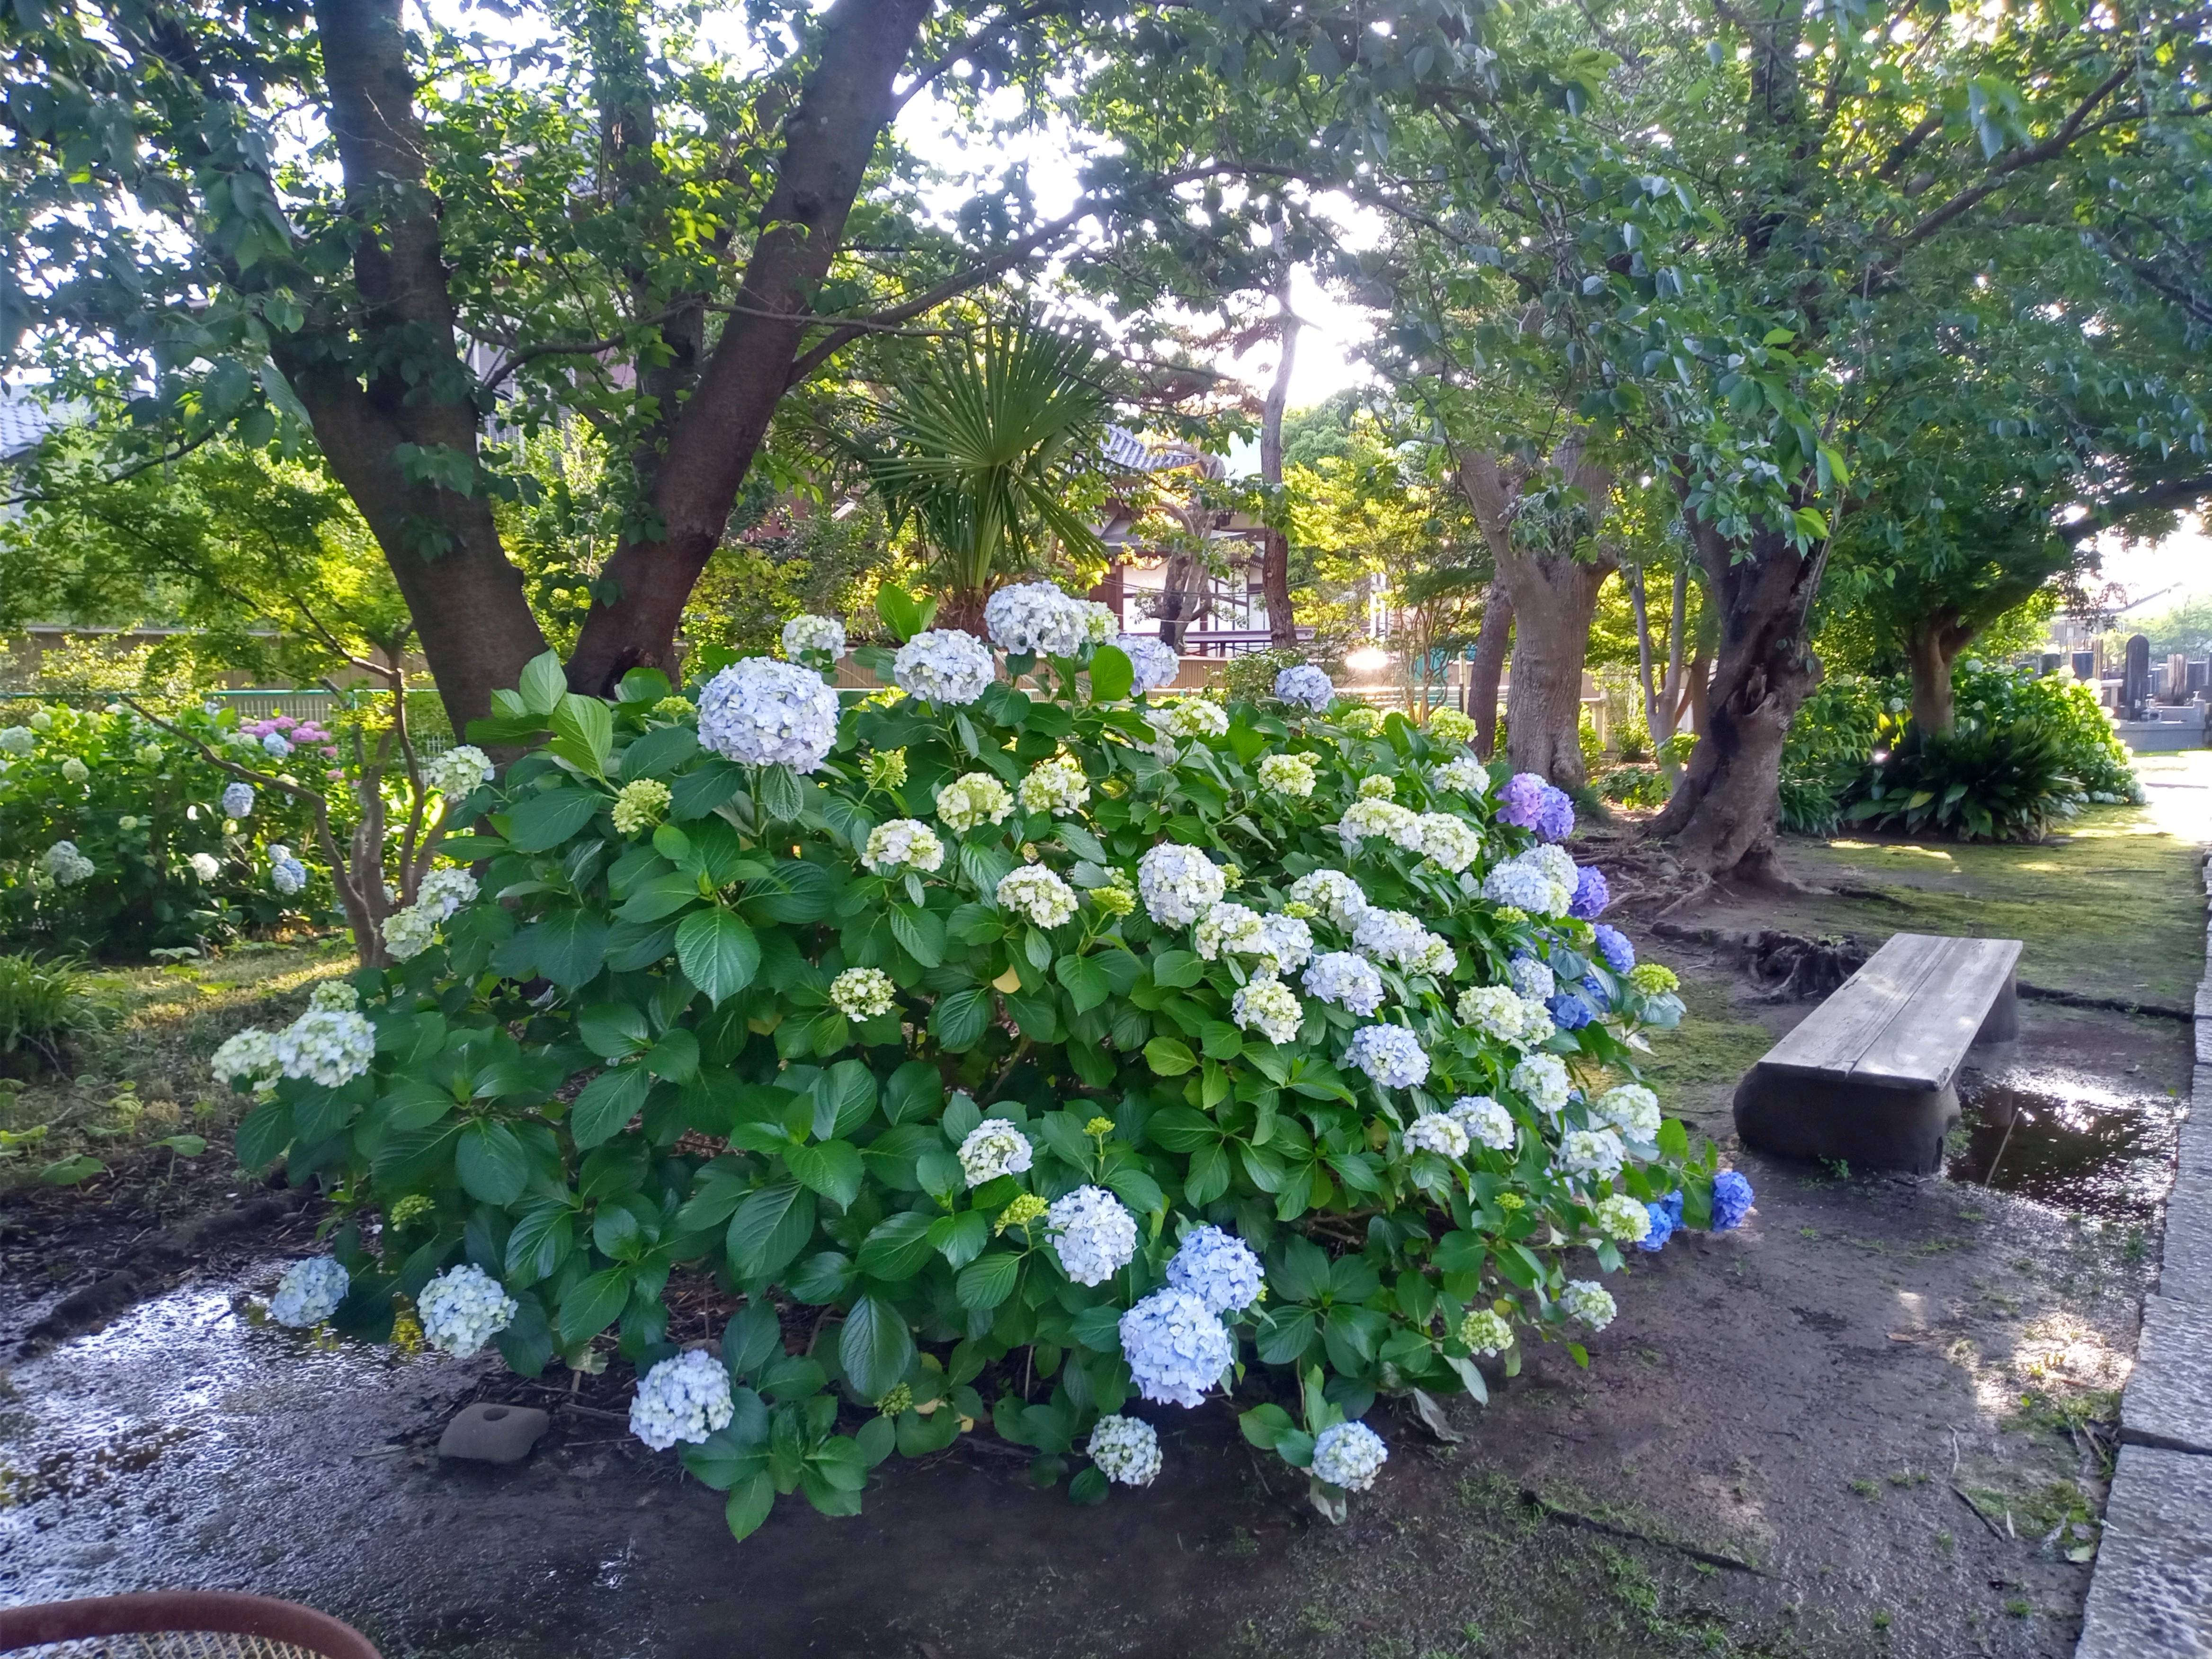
[[1924, 1045], [1833, 1036]]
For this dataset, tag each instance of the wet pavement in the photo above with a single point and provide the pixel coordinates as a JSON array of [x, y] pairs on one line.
[[2073, 1142]]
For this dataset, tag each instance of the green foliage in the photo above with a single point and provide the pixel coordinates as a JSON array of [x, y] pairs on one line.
[[1633, 786], [634, 1055], [1976, 783], [1829, 749], [42, 1006]]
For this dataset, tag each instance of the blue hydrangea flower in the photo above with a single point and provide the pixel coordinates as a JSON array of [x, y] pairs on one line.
[[1591, 893], [1555, 815], [1666, 1221], [1731, 1200], [1569, 1012], [1177, 1346], [276, 745], [1612, 944], [1219, 1269], [1155, 664], [237, 800], [1349, 1454], [766, 713], [1596, 994], [1305, 685], [1520, 802]]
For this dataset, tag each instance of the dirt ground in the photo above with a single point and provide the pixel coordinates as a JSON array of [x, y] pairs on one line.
[[1875, 1421]]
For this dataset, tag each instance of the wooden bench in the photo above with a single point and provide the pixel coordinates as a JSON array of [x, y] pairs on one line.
[[1868, 1076]]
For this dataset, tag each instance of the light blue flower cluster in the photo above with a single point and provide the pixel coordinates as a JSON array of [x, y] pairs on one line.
[[65, 864], [286, 873], [276, 745], [237, 800], [1126, 1450], [820, 635], [1178, 883], [1333, 895], [1390, 1054], [1397, 937], [1217, 1267], [309, 1292], [1349, 981], [766, 713], [1485, 1122], [329, 1046], [683, 1399], [1176, 1347], [1464, 777], [1435, 1131], [463, 1308], [1306, 686], [1613, 946], [1349, 1456], [1532, 978], [994, 1148], [458, 772], [1521, 886], [944, 665], [1093, 1233], [1156, 665], [1269, 1006], [1036, 617]]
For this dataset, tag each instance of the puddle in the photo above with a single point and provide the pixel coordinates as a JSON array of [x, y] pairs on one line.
[[2070, 1142]]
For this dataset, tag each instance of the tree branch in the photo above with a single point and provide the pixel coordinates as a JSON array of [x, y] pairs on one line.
[[2005, 166]]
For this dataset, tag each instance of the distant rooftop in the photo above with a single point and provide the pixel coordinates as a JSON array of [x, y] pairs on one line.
[[24, 420]]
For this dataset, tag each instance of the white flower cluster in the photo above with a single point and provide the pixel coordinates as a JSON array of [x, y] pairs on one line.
[[1394, 936], [334, 994], [1349, 1456], [1590, 1302], [1349, 981], [409, 932], [1464, 777], [1623, 1219], [824, 635], [463, 1308], [1229, 929], [286, 873], [1391, 1054], [1333, 895], [1501, 1011], [1632, 1108], [65, 864], [1524, 887], [1435, 1131], [1596, 1153], [1378, 785], [1177, 1346], [309, 1292], [1451, 842], [1192, 717], [248, 1058], [903, 844], [972, 798], [1034, 892], [1363, 819], [1156, 665], [1542, 1080], [1484, 1123], [1269, 1006], [1219, 1269], [1178, 883], [766, 713], [1036, 617], [863, 994], [1126, 1450], [329, 1046], [1093, 1234], [457, 772], [1485, 1333], [1287, 774], [18, 740], [1055, 786], [994, 1148], [1306, 686], [1286, 943], [1532, 978], [237, 800], [944, 665], [686, 1398], [205, 866]]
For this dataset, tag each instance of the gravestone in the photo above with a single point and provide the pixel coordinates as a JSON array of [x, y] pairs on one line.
[[2135, 680], [2085, 664], [2200, 676], [2177, 678]]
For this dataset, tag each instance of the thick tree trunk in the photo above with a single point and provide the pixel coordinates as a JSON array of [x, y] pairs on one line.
[[1178, 601], [1932, 645], [1723, 814], [1275, 556], [1488, 665]]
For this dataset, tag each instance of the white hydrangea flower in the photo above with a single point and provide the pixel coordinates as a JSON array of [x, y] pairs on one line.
[[65, 864], [1532, 978], [1523, 887], [1034, 892], [446, 890], [1156, 663], [1589, 1302], [40, 720], [1596, 1153], [457, 772], [903, 844], [863, 994], [1464, 777], [1193, 717], [1099, 623], [1229, 929], [683, 1399], [337, 993], [1093, 1234], [18, 740], [1176, 1347], [1055, 786], [994, 1148], [944, 665], [822, 635], [1036, 616], [1557, 864], [205, 866], [1286, 943], [1287, 774], [1536, 1024], [1349, 981], [1494, 1010], [1632, 1108], [1363, 819], [1485, 1122], [309, 1292], [248, 1058], [1390, 1054], [1542, 1080], [1269, 1006], [1435, 1131], [1333, 895], [1378, 785], [1349, 1456], [1126, 1450], [1178, 883], [237, 800], [766, 713], [1396, 937], [329, 1046], [463, 1308], [1623, 1219], [1451, 842], [409, 932], [1306, 686], [972, 798], [1219, 1269], [1485, 1332]]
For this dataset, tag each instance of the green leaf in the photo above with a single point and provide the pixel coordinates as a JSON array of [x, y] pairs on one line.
[[1168, 1057], [717, 953], [960, 1238], [831, 1168], [491, 1163], [1221, 1040], [583, 729], [71, 1171], [184, 1145], [595, 1303], [658, 752], [545, 820], [543, 683], [613, 1031], [875, 1348], [899, 1248], [959, 1018], [988, 1280], [1112, 674], [1085, 982], [1176, 969], [900, 612], [914, 1092], [608, 1101], [263, 1135], [750, 1500], [778, 794], [770, 1229], [703, 788], [569, 946], [919, 932]]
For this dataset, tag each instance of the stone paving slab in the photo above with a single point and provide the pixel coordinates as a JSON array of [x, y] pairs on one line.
[[2185, 1271], [2152, 1595], [2168, 1400]]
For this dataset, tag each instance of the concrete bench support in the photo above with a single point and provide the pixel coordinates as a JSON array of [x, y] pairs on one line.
[[1867, 1076]]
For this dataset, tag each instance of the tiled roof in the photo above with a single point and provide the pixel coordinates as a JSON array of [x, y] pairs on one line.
[[1125, 449], [23, 421]]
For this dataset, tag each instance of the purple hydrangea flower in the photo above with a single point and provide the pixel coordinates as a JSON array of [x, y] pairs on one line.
[[1520, 802], [1569, 1012], [1612, 944], [1665, 1220], [1555, 815], [1594, 992], [1591, 893], [1731, 1200]]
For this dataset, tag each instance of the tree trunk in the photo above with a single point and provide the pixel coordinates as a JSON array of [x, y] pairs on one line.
[[1482, 674], [1275, 556], [1670, 697], [1177, 598], [1932, 645], [1723, 814], [1632, 577]]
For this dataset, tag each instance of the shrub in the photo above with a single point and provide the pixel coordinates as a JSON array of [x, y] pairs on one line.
[[1001, 1099], [1635, 741], [1980, 782], [1826, 753], [1587, 739], [42, 1008], [1633, 786]]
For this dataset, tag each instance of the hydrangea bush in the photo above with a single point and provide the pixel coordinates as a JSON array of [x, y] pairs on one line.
[[1061, 1109]]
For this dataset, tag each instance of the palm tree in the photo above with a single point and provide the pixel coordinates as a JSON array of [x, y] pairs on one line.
[[985, 445]]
